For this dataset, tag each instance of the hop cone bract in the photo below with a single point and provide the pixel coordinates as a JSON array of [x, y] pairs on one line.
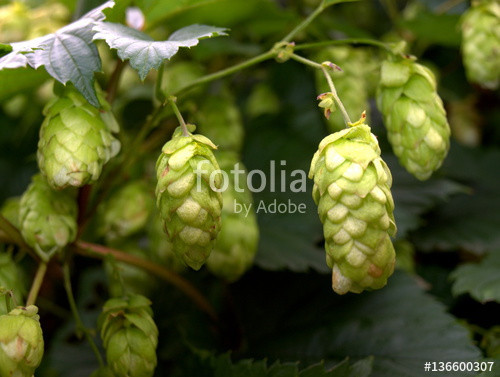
[[414, 116], [236, 244], [350, 83], [21, 342], [47, 217], [129, 336], [75, 140], [352, 190], [127, 211], [11, 278], [481, 43], [189, 204]]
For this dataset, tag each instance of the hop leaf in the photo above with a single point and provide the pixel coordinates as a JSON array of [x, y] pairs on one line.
[[352, 190], [130, 336], [236, 244], [414, 116], [480, 41], [75, 140], [47, 218], [21, 342], [190, 207]]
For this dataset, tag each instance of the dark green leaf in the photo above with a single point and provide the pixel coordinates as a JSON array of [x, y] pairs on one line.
[[480, 280], [68, 55], [143, 52], [400, 325], [441, 29]]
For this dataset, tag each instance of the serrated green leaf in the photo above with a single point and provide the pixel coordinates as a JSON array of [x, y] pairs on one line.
[[480, 280], [68, 55], [145, 53], [397, 325]]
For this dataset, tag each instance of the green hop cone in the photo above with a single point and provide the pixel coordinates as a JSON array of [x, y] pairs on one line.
[[160, 248], [220, 120], [350, 83], [21, 342], [236, 244], [75, 140], [11, 278], [414, 116], [129, 336], [10, 210], [187, 196], [352, 190], [127, 211], [481, 41], [47, 217]]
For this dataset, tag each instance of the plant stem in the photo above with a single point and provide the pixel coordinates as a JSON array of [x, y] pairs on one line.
[[178, 115], [305, 61], [227, 71], [37, 283], [99, 251], [79, 324], [447, 5], [14, 236], [114, 80], [347, 120], [361, 41], [160, 96], [304, 23]]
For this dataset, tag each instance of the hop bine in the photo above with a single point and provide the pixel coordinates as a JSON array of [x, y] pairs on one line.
[[414, 116], [130, 336], [481, 41], [75, 140], [190, 207], [352, 190], [47, 218], [21, 342], [236, 244]]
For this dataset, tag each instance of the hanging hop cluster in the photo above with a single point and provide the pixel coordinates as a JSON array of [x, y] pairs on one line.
[[414, 116], [75, 140], [21, 342], [236, 244], [129, 336], [349, 81], [47, 218], [187, 197], [352, 190], [481, 41]]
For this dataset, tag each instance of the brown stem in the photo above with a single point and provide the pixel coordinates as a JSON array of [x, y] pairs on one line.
[[114, 80], [98, 251]]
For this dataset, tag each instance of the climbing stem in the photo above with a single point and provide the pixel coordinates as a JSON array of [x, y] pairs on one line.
[[304, 23], [341, 106], [178, 114], [37, 283]]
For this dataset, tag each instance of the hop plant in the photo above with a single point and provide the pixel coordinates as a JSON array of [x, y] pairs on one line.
[[414, 116], [127, 211], [21, 342], [236, 244], [220, 120], [350, 82], [161, 248], [481, 41], [75, 140], [47, 218], [129, 336], [10, 210], [11, 278], [190, 207], [352, 190]]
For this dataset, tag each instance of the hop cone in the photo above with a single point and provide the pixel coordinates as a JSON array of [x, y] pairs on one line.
[[129, 336], [160, 247], [75, 140], [414, 116], [481, 43], [189, 205], [11, 278], [21, 342], [350, 83], [10, 210], [352, 190], [220, 120], [127, 211], [236, 244], [47, 217]]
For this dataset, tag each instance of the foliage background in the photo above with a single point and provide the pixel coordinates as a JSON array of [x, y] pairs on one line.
[[442, 304]]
